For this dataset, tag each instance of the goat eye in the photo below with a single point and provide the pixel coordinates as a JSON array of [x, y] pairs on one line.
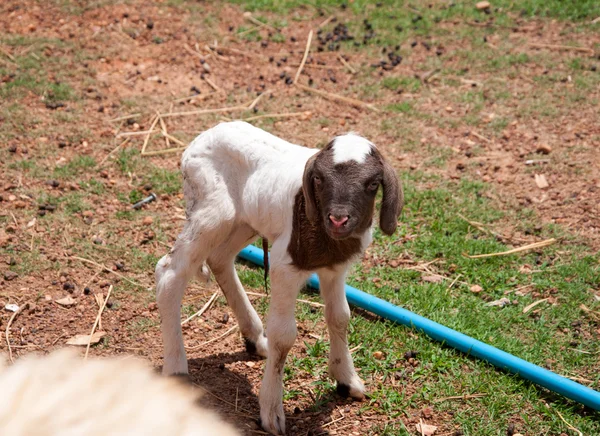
[[373, 186], [317, 180]]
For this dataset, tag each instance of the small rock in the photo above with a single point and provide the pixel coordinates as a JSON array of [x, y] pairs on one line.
[[206, 67], [87, 213], [148, 220], [543, 149], [378, 355], [482, 6], [12, 149], [476, 289], [410, 354], [10, 275], [97, 241]]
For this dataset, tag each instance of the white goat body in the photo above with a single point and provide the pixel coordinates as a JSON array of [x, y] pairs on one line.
[[241, 182]]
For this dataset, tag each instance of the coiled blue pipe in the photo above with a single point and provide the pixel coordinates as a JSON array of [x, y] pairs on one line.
[[464, 343]]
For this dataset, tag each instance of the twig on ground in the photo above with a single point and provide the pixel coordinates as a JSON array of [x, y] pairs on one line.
[[174, 139], [164, 132], [212, 84], [205, 111], [248, 16], [460, 397], [477, 135], [354, 102], [87, 349], [113, 151], [562, 47], [453, 282], [306, 50], [320, 67], [569, 425], [7, 54], [532, 305], [105, 268], [192, 51], [10, 321], [124, 117], [144, 132], [426, 76], [515, 250], [204, 308], [257, 99], [225, 401], [147, 139], [327, 21], [228, 332], [311, 303], [283, 115], [346, 64], [167, 151], [481, 227]]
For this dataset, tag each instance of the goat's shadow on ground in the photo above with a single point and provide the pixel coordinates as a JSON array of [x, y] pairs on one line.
[[231, 395]]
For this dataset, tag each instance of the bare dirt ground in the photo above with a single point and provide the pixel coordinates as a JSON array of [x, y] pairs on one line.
[[141, 57]]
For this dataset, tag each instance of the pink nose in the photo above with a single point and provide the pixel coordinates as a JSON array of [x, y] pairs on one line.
[[338, 222]]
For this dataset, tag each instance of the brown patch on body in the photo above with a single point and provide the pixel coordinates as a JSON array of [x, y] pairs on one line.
[[311, 247]]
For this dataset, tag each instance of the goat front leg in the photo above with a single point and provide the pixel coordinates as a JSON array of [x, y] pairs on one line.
[[337, 316], [281, 333]]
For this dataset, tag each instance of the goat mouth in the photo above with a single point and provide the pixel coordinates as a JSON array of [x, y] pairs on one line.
[[339, 232]]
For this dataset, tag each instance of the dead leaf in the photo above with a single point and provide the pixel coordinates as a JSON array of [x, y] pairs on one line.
[[99, 297], [432, 279], [66, 301], [532, 305], [597, 297], [31, 223], [426, 429], [476, 289], [541, 182], [500, 303], [84, 339]]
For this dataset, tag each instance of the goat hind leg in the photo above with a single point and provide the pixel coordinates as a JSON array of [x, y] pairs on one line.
[[221, 263], [172, 274]]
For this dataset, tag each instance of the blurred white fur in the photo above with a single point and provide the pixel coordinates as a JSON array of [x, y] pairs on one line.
[[61, 395]]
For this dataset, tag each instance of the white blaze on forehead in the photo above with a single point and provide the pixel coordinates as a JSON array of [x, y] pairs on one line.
[[351, 147]]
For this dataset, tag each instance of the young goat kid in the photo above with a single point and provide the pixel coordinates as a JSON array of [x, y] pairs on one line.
[[317, 209]]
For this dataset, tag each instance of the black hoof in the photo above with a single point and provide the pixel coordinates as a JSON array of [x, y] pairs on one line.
[[343, 390], [250, 346]]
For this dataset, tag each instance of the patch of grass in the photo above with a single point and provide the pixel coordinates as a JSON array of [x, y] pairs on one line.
[[77, 165], [409, 84], [404, 107]]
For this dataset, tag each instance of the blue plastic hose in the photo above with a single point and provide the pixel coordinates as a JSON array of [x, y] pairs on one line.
[[464, 343]]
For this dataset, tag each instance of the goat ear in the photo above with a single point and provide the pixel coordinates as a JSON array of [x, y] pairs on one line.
[[393, 200], [308, 189]]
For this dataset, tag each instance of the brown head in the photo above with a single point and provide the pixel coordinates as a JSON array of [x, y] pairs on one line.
[[340, 184]]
